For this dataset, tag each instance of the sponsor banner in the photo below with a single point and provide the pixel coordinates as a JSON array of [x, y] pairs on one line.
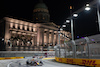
[[85, 62], [3, 58]]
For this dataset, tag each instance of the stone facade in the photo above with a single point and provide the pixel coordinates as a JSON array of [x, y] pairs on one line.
[[38, 35], [25, 36]]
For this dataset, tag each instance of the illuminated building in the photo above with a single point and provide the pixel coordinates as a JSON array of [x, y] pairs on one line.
[[37, 35]]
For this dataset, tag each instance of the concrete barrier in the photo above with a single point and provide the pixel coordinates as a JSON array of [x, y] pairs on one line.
[[25, 53]]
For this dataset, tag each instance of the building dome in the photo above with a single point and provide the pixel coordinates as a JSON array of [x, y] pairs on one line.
[[41, 13], [41, 5]]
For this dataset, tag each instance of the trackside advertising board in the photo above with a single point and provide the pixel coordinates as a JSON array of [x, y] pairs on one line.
[[4, 58], [84, 62]]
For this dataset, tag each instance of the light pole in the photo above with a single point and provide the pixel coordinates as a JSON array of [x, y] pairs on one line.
[[72, 30], [72, 33], [98, 14], [60, 29], [64, 33], [59, 37], [72, 24]]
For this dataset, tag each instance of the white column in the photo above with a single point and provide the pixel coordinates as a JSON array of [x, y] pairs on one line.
[[35, 40], [56, 38], [42, 32], [45, 38], [47, 33], [32, 41], [7, 34], [38, 36], [52, 37]]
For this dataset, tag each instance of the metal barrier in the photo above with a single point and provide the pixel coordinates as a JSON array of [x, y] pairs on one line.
[[87, 47]]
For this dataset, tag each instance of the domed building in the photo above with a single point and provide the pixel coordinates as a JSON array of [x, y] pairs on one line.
[[41, 13], [37, 35]]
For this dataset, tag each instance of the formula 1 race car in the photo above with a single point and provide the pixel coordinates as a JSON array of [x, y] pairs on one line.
[[34, 62]]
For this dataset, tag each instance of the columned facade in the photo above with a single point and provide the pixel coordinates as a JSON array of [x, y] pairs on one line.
[[26, 36], [37, 35]]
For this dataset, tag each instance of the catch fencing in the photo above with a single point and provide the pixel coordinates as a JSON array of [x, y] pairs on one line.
[[87, 47]]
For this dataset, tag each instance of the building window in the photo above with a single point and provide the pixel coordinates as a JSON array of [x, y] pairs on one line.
[[43, 18], [14, 27], [36, 18], [18, 27], [23, 28], [45, 31], [32, 30], [49, 32], [27, 28]]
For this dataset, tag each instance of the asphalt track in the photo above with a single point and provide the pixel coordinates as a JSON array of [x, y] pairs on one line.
[[47, 63]]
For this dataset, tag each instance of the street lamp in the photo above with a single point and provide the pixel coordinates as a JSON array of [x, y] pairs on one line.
[[61, 29], [59, 33], [59, 37], [72, 33], [72, 30], [75, 15], [98, 14], [63, 25], [87, 8], [71, 20], [67, 21], [64, 34]]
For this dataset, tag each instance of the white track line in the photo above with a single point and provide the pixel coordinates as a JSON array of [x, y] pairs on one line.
[[9, 64]]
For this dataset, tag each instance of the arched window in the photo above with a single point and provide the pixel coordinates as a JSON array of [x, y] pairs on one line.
[[18, 27], [23, 28], [13, 26], [27, 28]]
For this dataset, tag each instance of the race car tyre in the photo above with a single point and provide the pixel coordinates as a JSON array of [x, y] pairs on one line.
[[27, 62], [41, 62]]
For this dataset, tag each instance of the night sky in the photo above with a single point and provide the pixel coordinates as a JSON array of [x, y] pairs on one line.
[[85, 24]]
